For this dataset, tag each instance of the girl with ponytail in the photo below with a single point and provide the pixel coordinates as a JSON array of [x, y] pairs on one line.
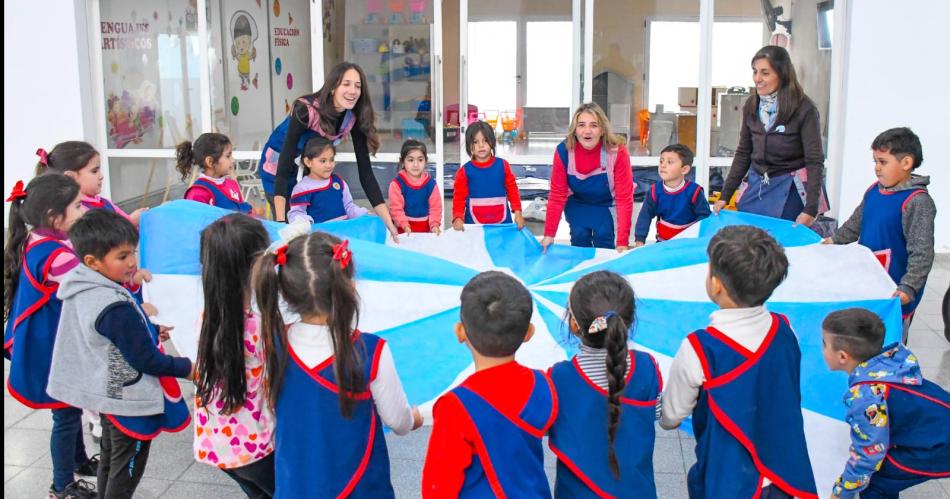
[[229, 400], [604, 433], [36, 258], [330, 385], [81, 162], [212, 153]]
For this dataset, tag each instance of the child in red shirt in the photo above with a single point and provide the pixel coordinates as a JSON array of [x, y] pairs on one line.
[[486, 435]]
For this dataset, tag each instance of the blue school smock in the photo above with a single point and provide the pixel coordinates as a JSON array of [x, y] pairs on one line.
[[319, 453], [579, 435], [31, 328], [222, 199], [487, 201], [748, 420], [417, 203], [510, 459], [675, 211], [882, 231], [590, 209], [325, 203]]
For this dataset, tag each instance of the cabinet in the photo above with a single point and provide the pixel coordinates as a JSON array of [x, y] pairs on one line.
[[397, 62]]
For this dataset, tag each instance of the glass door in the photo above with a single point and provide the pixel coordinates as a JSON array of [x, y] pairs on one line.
[[519, 71]]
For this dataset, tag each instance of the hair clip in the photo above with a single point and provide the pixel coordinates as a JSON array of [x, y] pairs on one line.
[[17, 192], [44, 156], [342, 253], [599, 324], [280, 255]]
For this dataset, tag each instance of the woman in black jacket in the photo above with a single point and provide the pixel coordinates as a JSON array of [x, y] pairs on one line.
[[342, 107], [779, 156]]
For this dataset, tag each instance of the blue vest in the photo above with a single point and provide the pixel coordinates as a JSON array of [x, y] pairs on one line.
[[487, 201], [221, 199], [510, 460], [882, 231], [919, 418], [579, 435], [175, 416], [319, 453], [594, 188], [325, 203], [748, 420], [417, 202], [31, 328], [103, 204], [674, 210]]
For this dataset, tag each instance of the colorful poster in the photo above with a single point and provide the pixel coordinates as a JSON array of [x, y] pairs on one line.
[[150, 71]]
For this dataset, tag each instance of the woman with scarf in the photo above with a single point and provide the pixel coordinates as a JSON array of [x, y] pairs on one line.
[[779, 160]]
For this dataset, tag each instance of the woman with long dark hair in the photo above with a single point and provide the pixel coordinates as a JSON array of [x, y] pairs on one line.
[[779, 156], [341, 107]]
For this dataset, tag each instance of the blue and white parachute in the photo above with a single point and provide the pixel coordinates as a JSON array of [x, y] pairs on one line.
[[410, 296]]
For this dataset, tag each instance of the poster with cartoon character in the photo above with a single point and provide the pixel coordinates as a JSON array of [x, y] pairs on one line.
[[243, 37], [240, 87]]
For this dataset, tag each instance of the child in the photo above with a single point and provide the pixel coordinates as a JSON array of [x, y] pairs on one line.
[[414, 198], [739, 379], [108, 359], [895, 219], [604, 432], [592, 184], [677, 203], [229, 397], [482, 184], [36, 258], [331, 386], [214, 186], [486, 438], [899, 421], [321, 196], [81, 162]]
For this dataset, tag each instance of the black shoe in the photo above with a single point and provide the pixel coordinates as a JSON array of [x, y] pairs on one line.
[[90, 467], [80, 489]]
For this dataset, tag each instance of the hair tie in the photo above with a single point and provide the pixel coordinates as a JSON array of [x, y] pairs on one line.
[[17, 192], [599, 324], [280, 255], [287, 234], [44, 156], [342, 253]]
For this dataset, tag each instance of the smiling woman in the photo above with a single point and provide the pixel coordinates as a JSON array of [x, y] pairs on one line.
[[779, 159], [342, 107]]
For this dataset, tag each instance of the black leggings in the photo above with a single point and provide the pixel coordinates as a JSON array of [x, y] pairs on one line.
[[256, 479]]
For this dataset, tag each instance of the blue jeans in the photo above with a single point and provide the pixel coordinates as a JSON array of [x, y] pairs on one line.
[[66, 445]]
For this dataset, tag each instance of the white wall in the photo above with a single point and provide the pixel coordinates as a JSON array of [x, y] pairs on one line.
[[896, 75], [46, 97]]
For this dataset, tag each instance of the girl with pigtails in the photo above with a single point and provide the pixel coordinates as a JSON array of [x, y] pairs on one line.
[[331, 386], [608, 393]]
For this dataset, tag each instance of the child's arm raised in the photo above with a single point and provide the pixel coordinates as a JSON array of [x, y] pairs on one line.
[[121, 324]]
